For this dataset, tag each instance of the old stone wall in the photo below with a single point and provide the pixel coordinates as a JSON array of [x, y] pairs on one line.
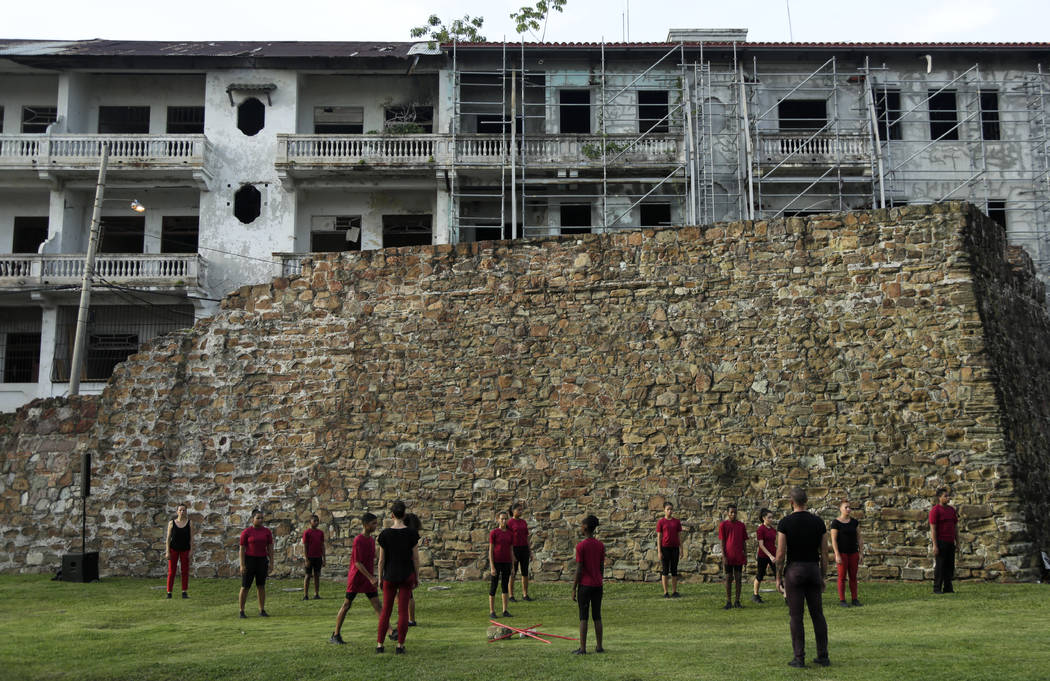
[[874, 356]]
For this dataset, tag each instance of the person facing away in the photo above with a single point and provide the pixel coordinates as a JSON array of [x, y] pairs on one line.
[[179, 541], [500, 543], [733, 535], [802, 549], [848, 545], [587, 585], [361, 576], [668, 530], [944, 535], [398, 561], [413, 522], [766, 537], [313, 557], [256, 551], [519, 529]]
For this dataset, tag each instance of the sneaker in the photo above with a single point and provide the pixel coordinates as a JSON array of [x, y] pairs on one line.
[[263, 613], [579, 651], [306, 597], [727, 606], [527, 598], [797, 662], [843, 604], [737, 605], [336, 638], [400, 650], [379, 649], [755, 598], [493, 615], [507, 614], [317, 597], [822, 661], [512, 600], [949, 590], [185, 595], [936, 590], [411, 623], [856, 603], [243, 616], [667, 595], [599, 649], [676, 595], [169, 594]]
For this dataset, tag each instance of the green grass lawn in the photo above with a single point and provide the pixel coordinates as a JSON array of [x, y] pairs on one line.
[[125, 629]]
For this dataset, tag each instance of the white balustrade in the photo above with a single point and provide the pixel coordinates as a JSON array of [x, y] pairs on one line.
[[367, 149], [154, 149], [291, 263], [19, 150], [168, 269], [808, 149]]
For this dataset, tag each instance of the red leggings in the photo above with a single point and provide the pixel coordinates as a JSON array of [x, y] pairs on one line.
[[848, 567], [178, 558], [403, 592]]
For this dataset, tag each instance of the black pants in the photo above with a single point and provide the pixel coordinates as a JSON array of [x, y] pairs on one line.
[[669, 560], [502, 577], [802, 582], [521, 560], [589, 598], [944, 566]]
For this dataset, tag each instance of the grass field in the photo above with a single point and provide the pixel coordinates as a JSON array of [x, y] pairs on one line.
[[125, 629]]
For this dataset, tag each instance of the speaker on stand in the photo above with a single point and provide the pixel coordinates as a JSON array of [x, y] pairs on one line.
[[83, 566]]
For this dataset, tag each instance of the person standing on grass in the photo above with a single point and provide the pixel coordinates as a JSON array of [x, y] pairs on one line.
[[360, 578], [847, 544], [412, 521], [500, 543], [313, 554], [802, 549], [766, 536], [255, 553], [179, 542], [398, 562], [667, 529], [519, 530], [944, 535], [587, 585], [733, 535]]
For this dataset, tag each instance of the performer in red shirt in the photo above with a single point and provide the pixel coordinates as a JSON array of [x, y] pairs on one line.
[[361, 577], [587, 586], [766, 536], [944, 534], [668, 530], [313, 554], [519, 529], [255, 554], [500, 543], [733, 535]]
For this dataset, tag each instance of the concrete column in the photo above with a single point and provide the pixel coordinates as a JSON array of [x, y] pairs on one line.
[[48, 336], [72, 102], [153, 231], [442, 209]]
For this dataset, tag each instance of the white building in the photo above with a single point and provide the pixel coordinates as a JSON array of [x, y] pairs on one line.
[[248, 156]]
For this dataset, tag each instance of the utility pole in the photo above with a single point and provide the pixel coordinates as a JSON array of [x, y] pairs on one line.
[[89, 271]]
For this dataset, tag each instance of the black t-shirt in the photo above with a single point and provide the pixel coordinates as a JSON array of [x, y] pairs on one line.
[[803, 531], [180, 536], [847, 537], [397, 553]]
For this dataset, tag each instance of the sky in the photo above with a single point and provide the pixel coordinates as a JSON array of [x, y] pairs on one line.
[[582, 20]]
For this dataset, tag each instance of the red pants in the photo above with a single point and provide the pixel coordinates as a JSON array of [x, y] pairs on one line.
[[848, 567], [403, 592], [181, 558]]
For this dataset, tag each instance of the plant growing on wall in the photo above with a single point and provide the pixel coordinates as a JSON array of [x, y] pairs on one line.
[[465, 30]]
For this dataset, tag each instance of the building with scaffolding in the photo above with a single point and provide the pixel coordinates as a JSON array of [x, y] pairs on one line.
[[251, 156]]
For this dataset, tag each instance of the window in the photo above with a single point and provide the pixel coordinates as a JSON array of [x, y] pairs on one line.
[[251, 116], [655, 214], [247, 204], [574, 112], [652, 110], [122, 234], [406, 230], [402, 120], [944, 116], [575, 218], [338, 120], [997, 211], [335, 233], [803, 114], [989, 116], [179, 233], [29, 233], [123, 120], [888, 113], [20, 344], [185, 120], [37, 118]]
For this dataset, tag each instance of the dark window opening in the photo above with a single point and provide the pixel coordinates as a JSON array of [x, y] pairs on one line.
[[888, 113], [335, 234], [802, 114], [944, 116], [29, 233], [185, 120], [655, 214], [574, 112], [990, 116], [575, 218], [247, 204], [493, 124], [997, 212], [495, 233], [122, 234], [123, 120], [179, 233], [35, 119], [338, 120], [652, 111], [407, 230], [407, 120], [21, 357], [251, 116], [105, 351]]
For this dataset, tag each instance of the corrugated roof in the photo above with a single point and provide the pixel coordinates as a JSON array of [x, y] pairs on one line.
[[780, 45], [224, 48]]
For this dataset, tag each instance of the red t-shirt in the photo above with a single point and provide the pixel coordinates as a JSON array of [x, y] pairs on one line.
[[519, 529], [733, 535], [501, 541], [767, 536], [364, 552], [255, 540], [668, 528], [590, 556], [945, 518], [314, 542]]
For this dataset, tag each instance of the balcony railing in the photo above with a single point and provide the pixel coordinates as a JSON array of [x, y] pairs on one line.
[[82, 152], [387, 150], [807, 149], [158, 270], [291, 263]]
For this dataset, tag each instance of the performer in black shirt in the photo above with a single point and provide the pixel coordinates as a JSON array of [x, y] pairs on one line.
[[398, 563], [801, 564]]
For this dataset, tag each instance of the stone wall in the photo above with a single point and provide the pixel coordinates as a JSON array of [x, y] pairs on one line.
[[872, 355]]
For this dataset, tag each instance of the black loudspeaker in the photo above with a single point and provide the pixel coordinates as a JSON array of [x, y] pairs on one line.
[[85, 475], [80, 567]]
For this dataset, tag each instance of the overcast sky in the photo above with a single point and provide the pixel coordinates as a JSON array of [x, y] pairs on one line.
[[583, 20]]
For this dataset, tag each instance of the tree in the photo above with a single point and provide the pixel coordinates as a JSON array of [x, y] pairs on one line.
[[534, 18], [467, 29]]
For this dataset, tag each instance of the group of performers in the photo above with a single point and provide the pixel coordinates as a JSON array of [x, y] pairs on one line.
[[796, 549]]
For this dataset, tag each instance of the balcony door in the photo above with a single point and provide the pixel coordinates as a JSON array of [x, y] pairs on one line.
[[574, 111], [802, 114]]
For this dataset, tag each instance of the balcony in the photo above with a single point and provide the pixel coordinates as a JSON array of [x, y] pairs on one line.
[[177, 158], [310, 154], [785, 153], [161, 271]]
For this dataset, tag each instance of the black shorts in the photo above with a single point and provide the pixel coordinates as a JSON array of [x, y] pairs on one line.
[[502, 577], [255, 569], [734, 570], [370, 595], [521, 560], [669, 560], [313, 566], [764, 563], [589, 597]]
